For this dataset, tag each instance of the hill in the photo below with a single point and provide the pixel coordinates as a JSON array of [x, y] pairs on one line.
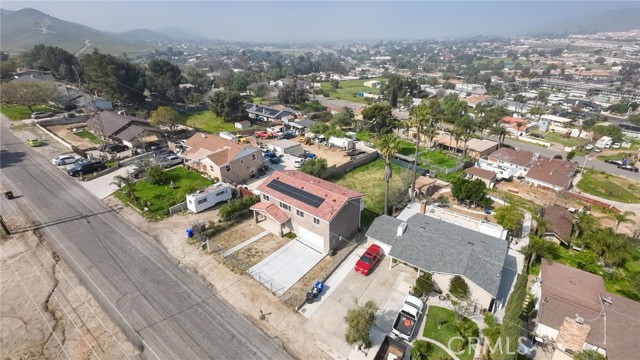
[[181, 34], [22, 29], [606, 21], [145, 35]]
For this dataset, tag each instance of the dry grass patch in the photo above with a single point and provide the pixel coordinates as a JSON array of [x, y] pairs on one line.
[[254, 253], [239, 232]]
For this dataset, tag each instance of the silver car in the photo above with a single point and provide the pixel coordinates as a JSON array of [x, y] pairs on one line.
[[66, 160]]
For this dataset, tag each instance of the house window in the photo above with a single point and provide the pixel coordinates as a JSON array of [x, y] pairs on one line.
[[221, 192], [253, 157], [299, 213], [316, 221], [228, 168], [285, 206], [202, 201], [211, 168], [266, 197]]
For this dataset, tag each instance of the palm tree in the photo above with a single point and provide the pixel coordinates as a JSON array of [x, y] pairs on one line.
[[465, 127], [623, 218], [388, 145], [424, 118], [539, 248], [125, 182], [500, 132]]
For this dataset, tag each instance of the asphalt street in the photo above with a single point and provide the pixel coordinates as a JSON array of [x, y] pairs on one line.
[[166, 311]]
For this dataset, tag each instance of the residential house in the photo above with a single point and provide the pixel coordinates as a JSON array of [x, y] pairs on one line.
[[299, 126], [129, 130], [486, 176], [373, 83], [471, 88], [554, 174], [445, 250], [514, 124], [269, 113], [576, 313], [320, 213], [520, 160], [476, 100], [33, 76], [557, 122], [559, 224], [476, 148], [89, 104], [222, 159]]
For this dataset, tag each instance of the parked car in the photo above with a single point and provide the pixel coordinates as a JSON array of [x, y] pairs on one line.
[[298, 163], [113, 148], [628, 168], [34, 142], [137, 172], [369, 259], [263, 134], [286, 135], [87, 167], [536, 135], [408, 317], [616, 145], [66, 160], [275, 160], [269, 154], [588, 147], [614, 162], [171, 160], [41, 114]]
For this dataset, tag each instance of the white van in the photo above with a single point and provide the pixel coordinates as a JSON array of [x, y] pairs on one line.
[[228, 136]]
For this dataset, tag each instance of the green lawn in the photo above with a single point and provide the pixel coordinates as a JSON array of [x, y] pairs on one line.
[[209, 122], [618, 156], [19, 112], [369, 180], [439, 158], [158, 198], [609, 187], [349, 89], [87, 135], [448, 330], [557, 138]]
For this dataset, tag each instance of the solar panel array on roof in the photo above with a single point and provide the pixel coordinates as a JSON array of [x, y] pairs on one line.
[[294, 192]]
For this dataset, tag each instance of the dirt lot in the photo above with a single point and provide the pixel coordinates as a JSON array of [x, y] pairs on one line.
[[64, 131], [48, 314], [50, 147], [238, 233], [256, 252], [250, 298], [334, 156]]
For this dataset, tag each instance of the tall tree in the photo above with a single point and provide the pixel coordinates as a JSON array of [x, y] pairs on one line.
[[28, 94], [227, 104], [510, 218], [57, 60], [465, 126], [424, 119], [379, 119], [166, 116], [539, 248], [292, 94], [388, 145], [163, 79], [113, 77], [500, 132]]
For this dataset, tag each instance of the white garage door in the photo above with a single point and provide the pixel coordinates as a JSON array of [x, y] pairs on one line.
[[385, 247], [311, 239]]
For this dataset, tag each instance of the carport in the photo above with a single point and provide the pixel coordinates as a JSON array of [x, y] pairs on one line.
[[280, 270]]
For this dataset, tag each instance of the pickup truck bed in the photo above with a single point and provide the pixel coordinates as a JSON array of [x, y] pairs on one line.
[[404, 323], [391, 349]]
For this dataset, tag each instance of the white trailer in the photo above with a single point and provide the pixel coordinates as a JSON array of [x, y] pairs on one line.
[[604, 142], [208, 197], [228, 136], [344, 143]]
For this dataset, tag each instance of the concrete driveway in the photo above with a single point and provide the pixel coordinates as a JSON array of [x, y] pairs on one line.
[[280, 270], [101, 187], [386, 287]]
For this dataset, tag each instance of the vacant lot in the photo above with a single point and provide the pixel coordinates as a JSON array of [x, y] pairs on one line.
[[441, 326], [209, 122], [349, 89], [369, 180], [19, 112], [610, 187], [158, 198]]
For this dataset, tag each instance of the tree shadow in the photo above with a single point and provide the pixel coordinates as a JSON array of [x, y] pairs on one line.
[[9, 158]]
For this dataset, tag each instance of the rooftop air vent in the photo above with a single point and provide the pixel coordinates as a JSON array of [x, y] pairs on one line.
[[401, 229]]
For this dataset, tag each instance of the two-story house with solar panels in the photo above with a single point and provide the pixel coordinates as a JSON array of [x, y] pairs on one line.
[[320, 213]]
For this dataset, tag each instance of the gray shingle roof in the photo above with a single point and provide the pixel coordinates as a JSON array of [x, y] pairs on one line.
[[438, 246]]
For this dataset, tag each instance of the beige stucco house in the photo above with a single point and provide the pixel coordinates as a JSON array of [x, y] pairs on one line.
[[222, 159], [320, 213]]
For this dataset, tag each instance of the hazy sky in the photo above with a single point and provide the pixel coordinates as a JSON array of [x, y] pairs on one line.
[[322, 20]]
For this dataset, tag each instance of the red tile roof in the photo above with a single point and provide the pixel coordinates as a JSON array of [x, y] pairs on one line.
[[513, 122], [272, 211], [335, 196]]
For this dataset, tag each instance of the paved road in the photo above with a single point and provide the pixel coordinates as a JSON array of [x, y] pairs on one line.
[[166, 311]]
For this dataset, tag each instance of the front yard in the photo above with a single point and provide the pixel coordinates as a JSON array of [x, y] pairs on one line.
[[609, 187], [89, 136], [349, 89], [441, 326], [158, 198], [20, 112], [209, 122]]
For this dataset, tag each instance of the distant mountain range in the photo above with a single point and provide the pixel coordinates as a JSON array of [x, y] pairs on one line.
[[22, 29], [606, 21]]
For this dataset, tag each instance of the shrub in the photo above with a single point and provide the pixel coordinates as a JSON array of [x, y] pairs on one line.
[[424, 285], [458, 287], [421, 350], [360, 319], [155, 174], [235, 207]]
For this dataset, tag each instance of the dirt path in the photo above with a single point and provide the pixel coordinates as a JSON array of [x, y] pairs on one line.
[[251, 299], [45, 313]]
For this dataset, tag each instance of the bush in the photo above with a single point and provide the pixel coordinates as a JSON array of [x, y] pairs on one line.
[[458, 287], [424, 285], [360, 319], [421, 350], [155, 174], [235, 207]]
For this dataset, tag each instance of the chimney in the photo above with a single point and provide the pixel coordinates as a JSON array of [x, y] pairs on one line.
[[423, 208], [401, 229]]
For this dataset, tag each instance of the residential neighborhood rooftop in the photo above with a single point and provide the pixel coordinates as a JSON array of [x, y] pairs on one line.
[[220, 151]]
